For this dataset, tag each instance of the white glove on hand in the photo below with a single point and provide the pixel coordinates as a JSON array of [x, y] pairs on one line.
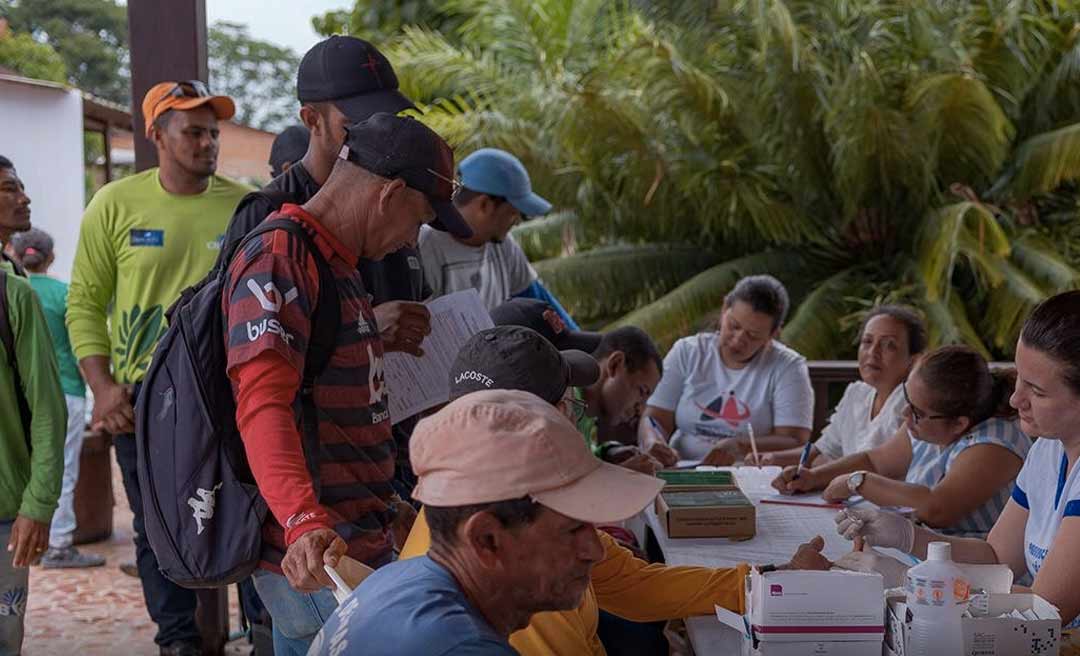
[[892, 570], [877, 527]]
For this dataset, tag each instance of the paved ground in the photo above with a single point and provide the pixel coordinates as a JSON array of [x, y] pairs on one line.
[[100, 610]]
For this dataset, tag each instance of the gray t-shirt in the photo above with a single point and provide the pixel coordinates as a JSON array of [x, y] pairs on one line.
[[497, 271], [712, 402]]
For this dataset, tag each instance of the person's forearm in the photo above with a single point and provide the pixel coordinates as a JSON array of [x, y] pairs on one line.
[[846, 465], [964, 550], [888, 492], [97, 372], [790, 456]]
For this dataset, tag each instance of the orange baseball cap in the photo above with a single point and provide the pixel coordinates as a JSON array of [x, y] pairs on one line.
[[497, 445], [182, 96]]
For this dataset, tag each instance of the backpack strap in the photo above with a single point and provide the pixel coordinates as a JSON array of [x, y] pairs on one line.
[[7, 338], [325, 322]]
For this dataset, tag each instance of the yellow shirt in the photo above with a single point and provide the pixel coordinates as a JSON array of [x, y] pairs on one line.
[[621, 584]]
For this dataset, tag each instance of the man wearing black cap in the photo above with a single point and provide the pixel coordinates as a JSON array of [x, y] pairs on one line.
[[344, 80], [288, 148], [630, 369], [392, 176]]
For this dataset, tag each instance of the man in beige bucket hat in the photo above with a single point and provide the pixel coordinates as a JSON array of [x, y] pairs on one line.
[[512, 496]]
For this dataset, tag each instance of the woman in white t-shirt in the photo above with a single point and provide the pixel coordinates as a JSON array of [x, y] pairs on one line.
[[953, 460], [1038, 534], [718, 384], [869, 413]]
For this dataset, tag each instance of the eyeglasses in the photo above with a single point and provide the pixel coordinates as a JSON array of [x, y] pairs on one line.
[[186, 89], [577, 408], [455, 185], [916, 414]]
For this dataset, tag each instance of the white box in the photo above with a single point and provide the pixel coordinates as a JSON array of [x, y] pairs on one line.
[[831, 648], [810, 607], [993, 636]]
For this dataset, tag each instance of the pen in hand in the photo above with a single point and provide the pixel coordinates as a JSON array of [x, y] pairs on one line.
[[803, 460]]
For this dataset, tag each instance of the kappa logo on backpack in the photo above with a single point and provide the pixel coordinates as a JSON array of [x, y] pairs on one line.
[[203, 512]]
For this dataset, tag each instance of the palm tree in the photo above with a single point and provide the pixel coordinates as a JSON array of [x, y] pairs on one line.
[[861, 151]]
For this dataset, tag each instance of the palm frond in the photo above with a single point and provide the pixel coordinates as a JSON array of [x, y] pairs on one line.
[[814, 329], [948, 323], [1009, 305], [943, 232], [547, 237], [689, 306], [967, 129], [1041, 163], [608, 282]]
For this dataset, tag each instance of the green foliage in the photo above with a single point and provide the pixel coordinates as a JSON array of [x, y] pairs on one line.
[[553, 236], [259, 75], [89, 35], [853, 149], [31, 58], [378, 21]]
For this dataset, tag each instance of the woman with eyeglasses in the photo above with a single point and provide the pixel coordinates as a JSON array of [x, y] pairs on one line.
[[1038, 534], [953, 459]]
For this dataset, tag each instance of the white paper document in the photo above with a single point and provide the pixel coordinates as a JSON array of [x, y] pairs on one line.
[[416, 384]]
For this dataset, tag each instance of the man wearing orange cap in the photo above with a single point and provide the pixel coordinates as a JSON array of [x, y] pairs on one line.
[[144, 239]]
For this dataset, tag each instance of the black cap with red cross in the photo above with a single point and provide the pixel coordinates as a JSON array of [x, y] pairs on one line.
[[352, 74], [403, 147]]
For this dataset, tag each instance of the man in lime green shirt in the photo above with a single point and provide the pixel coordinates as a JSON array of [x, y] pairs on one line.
[[143, 240], [30, 464]]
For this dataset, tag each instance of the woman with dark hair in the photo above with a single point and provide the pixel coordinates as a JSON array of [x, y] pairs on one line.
[[1038, 534], [720, 385], [34, 250], [954, 458], [870, 412]]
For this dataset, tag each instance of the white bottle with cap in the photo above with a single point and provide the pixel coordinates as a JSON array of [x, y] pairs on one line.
[[937, 595]]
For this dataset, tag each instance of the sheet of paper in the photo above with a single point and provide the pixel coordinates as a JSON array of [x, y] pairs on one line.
[[416, 384]]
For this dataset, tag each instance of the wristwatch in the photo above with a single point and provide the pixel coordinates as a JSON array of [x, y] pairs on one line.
[[855, 480]]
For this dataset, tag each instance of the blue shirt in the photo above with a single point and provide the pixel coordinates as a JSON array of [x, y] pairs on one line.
[[409, 608], [930, 462]]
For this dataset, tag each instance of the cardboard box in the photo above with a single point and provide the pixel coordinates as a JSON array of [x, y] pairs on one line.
[[828, 648], [706, 513], [689, 479], [992, 635], [810, 607]]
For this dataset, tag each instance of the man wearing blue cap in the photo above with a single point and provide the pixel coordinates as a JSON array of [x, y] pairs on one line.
[[495, 194]]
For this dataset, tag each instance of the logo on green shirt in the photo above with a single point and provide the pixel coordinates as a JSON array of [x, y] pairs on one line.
[[139, 333]]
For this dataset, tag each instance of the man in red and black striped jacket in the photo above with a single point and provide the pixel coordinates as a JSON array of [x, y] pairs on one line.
[[393, 175]]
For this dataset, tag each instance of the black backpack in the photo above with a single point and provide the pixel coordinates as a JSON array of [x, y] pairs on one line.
[[202, 510], [7, 338]]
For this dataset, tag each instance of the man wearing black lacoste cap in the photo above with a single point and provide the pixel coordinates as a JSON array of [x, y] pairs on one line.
[[392, 176]]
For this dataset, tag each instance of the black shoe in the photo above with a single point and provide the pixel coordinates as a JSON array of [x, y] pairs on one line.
[[130, 569], [182, 649]]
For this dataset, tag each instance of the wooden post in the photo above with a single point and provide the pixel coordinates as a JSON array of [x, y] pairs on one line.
[[106, 138], [168, 42]]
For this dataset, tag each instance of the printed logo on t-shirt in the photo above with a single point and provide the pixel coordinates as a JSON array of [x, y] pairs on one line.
[[215, 244], [139, 237], [376, 380], [269, 297], [723, 416]]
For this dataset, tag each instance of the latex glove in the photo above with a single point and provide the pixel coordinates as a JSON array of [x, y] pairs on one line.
[[892, 570], [876, 527]]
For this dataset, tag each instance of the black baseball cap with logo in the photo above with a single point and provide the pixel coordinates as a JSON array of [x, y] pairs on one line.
[[403, 147], [541, 317], [352, 74], [517, 358]]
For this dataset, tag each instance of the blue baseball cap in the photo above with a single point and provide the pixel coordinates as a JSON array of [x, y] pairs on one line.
[[498, 173]]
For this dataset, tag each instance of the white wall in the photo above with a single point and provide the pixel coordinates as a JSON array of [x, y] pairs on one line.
[[41, 131]]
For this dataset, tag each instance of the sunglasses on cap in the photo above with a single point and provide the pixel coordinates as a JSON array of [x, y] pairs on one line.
[[186, 89], [455, 185]]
